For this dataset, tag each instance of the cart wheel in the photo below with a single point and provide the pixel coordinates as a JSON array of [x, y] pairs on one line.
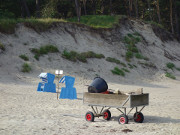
[[138, 117], [123, 119], [106, 114], [89, 116]]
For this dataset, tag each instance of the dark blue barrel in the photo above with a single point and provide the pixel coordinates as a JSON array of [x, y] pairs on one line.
[[98, 85]]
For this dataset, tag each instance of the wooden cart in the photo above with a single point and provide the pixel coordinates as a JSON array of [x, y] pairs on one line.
[[119, 101]]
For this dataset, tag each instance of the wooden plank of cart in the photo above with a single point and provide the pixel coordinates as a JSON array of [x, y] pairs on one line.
[[121, 102]]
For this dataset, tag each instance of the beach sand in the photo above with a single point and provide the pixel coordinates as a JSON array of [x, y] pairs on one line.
[[24, 111]]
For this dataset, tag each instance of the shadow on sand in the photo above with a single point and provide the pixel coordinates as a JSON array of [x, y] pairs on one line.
[[147, 119], [152, 119]]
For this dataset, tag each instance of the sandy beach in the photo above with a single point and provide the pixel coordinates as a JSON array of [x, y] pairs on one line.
[[25, 111]]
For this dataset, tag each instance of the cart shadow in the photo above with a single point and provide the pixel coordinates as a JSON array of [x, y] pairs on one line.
[[155, 119], [152, 119], [78, 98]]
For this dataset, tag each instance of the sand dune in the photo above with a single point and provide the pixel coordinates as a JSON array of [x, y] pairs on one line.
[[24, 111]]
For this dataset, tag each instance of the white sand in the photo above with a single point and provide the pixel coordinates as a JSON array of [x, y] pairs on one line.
[[25, 111]]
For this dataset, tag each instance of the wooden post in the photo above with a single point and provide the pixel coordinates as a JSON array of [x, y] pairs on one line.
[[58, 87], [58, 72]]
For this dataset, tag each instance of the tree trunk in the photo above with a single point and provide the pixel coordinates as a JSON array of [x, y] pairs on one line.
[[94, 6], [84, 4], [78, 12], [171, 16], [149, 7], [26, 7], [37, 8], [102, 7], [158, 11], [176, 19], [110, 7], [143, 13], [130, 7], [136, 7], [22, 11], [127, 7]]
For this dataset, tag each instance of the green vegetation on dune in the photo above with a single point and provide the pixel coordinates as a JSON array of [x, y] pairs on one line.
[[170, 65], [2, 46], [130, 40], [130, 66], [169, 75], [114, 60], [136, 34], [8, 25], [178, 69], [74, 56], [145, 64], [40, 24], [24, 57], [91, 54], [129, 55], [98, 21], [26, 68], [117, 71], [139, 56], [132, 48], [123, 64], [44, 50], [125, 70], [135, 66]]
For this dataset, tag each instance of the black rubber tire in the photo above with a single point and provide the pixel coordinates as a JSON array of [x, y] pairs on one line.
[[123, 119], [138, 117], [89, 116], [106, 114]]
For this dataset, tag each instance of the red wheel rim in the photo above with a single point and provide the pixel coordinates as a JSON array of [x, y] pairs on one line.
[[138, 118], [105, 115], [88, 117], [122, 120]]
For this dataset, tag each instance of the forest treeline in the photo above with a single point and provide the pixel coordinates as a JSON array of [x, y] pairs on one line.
[[164, 12]]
